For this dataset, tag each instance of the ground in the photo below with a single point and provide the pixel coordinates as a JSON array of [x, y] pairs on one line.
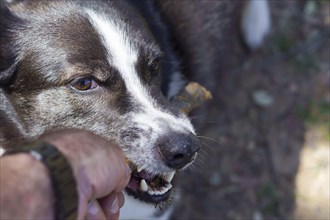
[[265, 139]]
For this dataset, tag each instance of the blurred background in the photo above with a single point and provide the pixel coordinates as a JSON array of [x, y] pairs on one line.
[[265, 136]]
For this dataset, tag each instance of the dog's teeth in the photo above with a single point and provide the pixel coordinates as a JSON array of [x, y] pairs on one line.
[[140, 168], [151, 192], [162, 191], [143, 186], [157, 192], [169, 176], [168, 186]]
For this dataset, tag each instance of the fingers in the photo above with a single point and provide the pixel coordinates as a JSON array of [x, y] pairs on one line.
[[82, 207], [94, 211], [105, 208], [111, 205]]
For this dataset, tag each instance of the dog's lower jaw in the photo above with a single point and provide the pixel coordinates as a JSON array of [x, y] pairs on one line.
[[144, 210]]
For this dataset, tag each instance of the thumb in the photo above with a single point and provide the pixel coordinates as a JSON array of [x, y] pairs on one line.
[[111, 204], [94, 211]]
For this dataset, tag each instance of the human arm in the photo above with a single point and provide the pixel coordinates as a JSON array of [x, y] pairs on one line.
[[98, 165], [25, 188]]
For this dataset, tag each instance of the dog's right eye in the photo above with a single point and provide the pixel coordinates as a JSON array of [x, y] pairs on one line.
[[84, 84]]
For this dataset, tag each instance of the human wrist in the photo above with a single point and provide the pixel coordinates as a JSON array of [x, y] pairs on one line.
[[27, 186], [63, 183]]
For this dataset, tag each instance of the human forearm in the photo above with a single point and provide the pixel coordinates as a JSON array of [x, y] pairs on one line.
[[25, 188], [99, 167]]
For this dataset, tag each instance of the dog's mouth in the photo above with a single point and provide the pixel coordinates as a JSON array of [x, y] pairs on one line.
[[152, 188]]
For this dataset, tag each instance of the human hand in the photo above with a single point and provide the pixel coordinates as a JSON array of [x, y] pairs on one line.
[[100, 170]]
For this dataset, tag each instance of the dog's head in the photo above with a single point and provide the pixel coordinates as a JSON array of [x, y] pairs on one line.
[[95, 66]]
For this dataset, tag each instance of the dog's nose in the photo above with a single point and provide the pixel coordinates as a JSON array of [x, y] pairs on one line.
[[177, 149]]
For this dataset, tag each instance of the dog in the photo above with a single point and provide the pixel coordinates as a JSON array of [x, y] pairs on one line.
[[105, 66]]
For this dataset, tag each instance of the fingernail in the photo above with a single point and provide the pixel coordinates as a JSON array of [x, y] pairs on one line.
[[128, 170], [92, 208], [114, 206]]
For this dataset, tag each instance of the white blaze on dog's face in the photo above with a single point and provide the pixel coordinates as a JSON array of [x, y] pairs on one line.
[[96, 68]]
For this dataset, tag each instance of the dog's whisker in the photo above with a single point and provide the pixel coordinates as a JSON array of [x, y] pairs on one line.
[[208, 147], [200, 162], [210, 139], [194, 170], [203, 153], [196, 117], [199, 118], [192, 167], [204, 121]]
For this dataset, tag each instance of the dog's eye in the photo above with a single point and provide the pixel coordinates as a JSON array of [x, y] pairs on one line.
[[84, 84]]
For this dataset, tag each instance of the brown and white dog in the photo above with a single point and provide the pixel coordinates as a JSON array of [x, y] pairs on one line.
[[105, 66]]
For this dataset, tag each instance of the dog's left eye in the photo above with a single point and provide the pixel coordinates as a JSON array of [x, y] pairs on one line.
[[84, 84]]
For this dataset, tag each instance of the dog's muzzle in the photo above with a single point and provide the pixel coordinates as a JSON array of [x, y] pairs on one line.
[[176, 151]]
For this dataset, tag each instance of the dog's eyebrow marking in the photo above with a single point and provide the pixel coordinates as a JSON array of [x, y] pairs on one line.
[[123, 57]]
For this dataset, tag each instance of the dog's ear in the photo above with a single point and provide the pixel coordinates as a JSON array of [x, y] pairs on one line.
[[9, 23]]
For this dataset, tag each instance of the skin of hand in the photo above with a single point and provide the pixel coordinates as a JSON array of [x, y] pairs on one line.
[[25, 188], [100, 169]]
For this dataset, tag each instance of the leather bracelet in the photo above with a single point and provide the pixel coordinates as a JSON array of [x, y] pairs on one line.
[[61, 175]]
